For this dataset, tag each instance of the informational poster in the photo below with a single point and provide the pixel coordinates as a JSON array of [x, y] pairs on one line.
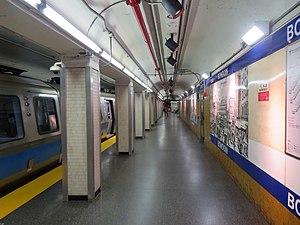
[[193, 115], [229, 111], [263, 91], [293, 100]]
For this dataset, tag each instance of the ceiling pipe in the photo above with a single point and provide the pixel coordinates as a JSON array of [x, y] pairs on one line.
[[138, 14], [155, 33], [184, 33], [120, 42]]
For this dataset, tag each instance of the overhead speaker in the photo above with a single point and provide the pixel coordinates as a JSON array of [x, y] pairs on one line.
[[171, 44], [171, 60], [173, 7]]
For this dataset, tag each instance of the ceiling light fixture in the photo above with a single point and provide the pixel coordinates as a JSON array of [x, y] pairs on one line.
[[64, 24], [138, 80], [171, 44], [173, 7], [117, 64], [171, 60], [130, 74], [205, 75], [105, 55], [257, 31]]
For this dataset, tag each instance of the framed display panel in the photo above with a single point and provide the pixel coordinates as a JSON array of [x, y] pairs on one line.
[[293, 101], [229, 111]]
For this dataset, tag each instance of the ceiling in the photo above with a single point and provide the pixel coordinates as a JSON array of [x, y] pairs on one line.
[[208, 32]]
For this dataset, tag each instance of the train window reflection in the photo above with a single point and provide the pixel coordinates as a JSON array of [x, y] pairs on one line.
[[46, 115], [11, 125]]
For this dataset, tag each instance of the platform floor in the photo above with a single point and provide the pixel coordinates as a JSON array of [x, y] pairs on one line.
[[171, 179]]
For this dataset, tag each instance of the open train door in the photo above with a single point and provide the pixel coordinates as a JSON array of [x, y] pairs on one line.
[[111, 117]]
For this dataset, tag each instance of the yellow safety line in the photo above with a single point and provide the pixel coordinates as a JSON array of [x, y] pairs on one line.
[[106, 144], [24, 194]]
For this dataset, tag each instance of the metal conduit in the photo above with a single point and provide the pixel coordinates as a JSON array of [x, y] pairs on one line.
[[120, 43], [138, 14]]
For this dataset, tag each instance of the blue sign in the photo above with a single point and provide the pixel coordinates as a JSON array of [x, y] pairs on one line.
[[278, 40]]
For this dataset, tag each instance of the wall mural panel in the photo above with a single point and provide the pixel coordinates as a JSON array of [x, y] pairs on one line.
[[229, 111]]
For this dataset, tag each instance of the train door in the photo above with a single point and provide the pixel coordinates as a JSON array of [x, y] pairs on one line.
[[110, 116]]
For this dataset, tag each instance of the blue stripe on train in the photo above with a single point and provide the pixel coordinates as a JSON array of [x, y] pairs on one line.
[[14, 163]]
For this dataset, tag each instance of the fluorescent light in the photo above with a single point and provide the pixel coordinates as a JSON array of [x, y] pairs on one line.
[[105, 55], [110, 59], [144, 85], [193, 86], [33, 3], [138, 80], [117, 64], [259, 29], [205, 76], [252, 35], [69, 28], [131, 75]]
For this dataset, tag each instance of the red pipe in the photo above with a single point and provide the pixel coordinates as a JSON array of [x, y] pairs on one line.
[[141, 22]]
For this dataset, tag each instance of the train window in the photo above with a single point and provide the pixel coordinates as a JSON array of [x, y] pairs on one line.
[[46, 115], [11, 124]]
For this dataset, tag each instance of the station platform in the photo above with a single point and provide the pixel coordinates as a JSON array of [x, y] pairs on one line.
[[170, 179]]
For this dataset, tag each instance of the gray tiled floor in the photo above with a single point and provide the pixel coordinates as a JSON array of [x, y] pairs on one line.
[[171, 179]]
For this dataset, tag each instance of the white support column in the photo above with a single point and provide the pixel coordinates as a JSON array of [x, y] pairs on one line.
[[140, 114], [80, 101], [155, 109], [152, 108], [125, 116], [147, 111], [159, 109]]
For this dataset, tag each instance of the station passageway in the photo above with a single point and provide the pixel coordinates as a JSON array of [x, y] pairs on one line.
[[171, 178]]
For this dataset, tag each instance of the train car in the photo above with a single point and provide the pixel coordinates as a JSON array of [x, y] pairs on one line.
[[30, 129], [107, 109]]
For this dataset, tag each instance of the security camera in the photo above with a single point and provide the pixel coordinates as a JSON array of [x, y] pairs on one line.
[[56, 67]]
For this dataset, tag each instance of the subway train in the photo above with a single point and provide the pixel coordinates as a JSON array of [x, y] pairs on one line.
[[30, 129]]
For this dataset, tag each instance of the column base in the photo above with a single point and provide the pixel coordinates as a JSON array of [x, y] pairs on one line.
[[77, 198], [83, 197]]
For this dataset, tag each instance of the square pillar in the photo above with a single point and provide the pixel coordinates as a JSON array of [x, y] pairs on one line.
[[152, 110], [140, 114], [147, 111], [125, 116], [80, 101]]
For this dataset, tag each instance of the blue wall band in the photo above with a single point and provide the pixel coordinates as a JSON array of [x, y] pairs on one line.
[[278, 40], [274, 187]]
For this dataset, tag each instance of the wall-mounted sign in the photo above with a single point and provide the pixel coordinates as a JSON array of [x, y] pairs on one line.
[[263, 91], [263, 96], [293, 100]]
